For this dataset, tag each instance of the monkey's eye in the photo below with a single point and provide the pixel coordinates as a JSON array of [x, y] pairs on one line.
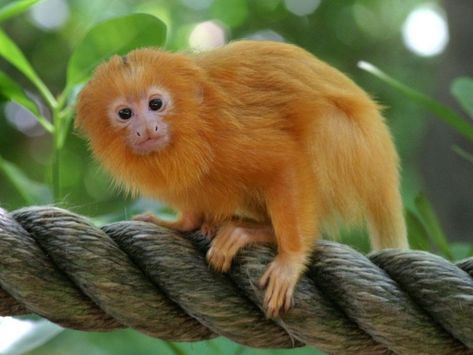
[[125, 113], [155, 104]]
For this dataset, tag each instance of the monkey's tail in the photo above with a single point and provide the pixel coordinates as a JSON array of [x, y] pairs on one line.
[[386, 223]]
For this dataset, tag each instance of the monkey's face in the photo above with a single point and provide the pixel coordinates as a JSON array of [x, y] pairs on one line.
[[142, 119], [143, 104], [146, 119]]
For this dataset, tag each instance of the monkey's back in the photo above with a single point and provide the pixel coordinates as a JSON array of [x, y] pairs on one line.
[[282, 96], [268, 82], [274, 67]]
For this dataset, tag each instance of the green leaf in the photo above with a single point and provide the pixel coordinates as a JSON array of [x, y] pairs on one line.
[[432, 225], [443, 112], [10, 90], [116, 36], [461, 250], [123, 342], [10, 51], [462, 90], [15, 7], [463, 153], [31, 191], [418, 235]]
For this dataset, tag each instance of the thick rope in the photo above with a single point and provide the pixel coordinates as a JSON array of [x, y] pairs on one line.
[[132, 274]]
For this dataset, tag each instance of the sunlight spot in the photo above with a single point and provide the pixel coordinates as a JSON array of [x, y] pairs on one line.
[[302, 7], [266, 35], [207, 35], [197, 4], [50, 14], [12, 330], [23, 120], [425, 31]]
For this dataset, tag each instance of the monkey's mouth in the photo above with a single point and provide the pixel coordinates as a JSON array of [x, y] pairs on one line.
[[151, 144]]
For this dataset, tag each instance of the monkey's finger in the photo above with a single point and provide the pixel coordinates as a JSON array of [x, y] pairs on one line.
[[281, 296], [234, 243], [233, 250], [213, 258], [268, 294], [289, 299], [273, 306], [210, 253], [221, 238], [231, 238], [227, 263], [270, 288], [271, 312], [263, 282]]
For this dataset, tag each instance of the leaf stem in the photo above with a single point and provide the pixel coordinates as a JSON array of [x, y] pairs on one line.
[[45, 123], [443, 112], [45, 93], [463, 153], [57, 149], [432, 225], [14, 182]]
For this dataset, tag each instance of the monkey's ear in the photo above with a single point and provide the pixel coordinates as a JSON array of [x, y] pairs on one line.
[[79, 116], [78, 120], [79, 124]]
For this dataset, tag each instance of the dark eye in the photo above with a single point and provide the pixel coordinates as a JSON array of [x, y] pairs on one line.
[[155, 104], [125, 113]]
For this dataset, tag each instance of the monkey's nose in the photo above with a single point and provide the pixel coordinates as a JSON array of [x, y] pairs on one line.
[[154, 131]]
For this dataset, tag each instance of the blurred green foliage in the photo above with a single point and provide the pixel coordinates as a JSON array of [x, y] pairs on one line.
[[424, 228], [43, 160], [340, 32]]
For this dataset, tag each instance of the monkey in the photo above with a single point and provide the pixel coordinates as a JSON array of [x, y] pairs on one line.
[[255, 142]]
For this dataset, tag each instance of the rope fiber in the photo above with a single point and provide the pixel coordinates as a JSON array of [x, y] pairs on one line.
[[60, 266]]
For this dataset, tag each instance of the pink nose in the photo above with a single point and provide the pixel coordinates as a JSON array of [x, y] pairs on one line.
[[149, 132]]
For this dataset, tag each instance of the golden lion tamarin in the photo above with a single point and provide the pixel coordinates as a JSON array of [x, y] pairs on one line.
[[255, 142]]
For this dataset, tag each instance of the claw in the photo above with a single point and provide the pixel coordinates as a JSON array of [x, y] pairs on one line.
[[216, 260]]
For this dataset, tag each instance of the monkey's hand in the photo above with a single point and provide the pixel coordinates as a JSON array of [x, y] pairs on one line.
[[231, 237], [186, 222], [280, 280]]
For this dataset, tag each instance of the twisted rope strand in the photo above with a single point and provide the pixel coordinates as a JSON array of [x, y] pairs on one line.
[[133, 274]]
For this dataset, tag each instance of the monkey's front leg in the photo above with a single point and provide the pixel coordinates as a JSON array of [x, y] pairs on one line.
[[186, 222], [231, 237], [292, 205]]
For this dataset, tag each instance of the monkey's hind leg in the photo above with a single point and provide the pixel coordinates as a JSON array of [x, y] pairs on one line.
[[231, 237]]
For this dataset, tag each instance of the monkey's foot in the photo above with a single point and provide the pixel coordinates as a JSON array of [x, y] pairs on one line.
[[187, 222], [280, 280], [231, 237], [225, 246], [150, 218]]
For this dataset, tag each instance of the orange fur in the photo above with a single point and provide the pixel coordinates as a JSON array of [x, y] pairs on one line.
[[258, 129]]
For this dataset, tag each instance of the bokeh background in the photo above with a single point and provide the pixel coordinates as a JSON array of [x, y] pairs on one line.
[[424, 44]]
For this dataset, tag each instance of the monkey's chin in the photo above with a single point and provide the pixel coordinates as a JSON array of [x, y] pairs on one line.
[[151, 145]]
